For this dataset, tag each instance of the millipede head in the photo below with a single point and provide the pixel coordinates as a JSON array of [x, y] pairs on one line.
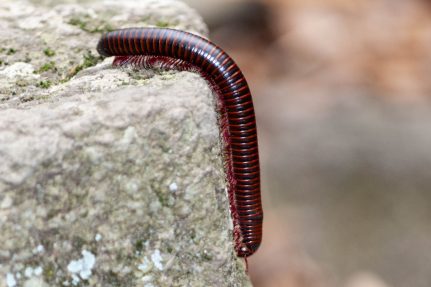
[[102, 49], [246, 250]]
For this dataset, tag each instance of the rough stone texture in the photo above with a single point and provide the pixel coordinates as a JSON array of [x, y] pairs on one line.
[[43, 45], [108, 177]]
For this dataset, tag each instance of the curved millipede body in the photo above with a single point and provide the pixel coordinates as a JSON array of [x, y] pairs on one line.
[[174, 49]]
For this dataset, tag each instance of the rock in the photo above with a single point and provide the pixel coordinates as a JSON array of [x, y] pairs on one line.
[[49, 44], [35, 282], [108, 176]]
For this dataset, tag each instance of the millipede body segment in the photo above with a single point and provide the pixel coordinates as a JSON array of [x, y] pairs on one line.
[[174, 49]]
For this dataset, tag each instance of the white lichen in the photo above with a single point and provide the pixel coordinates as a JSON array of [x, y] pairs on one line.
[[38, 271], [173, 187], [28, 272], [38, 249], [10, 280], [82, 266], [157, 259], [75, 279], [98, 237]]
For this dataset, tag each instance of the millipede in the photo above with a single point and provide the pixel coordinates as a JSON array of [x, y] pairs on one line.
[[174, 49]]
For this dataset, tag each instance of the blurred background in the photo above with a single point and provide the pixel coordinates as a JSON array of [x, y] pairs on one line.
[[342, 92]]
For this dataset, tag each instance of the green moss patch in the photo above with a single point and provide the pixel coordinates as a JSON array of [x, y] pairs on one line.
[[46, 67], [88, 61], [90, 25], [49, 52], [44, 84]]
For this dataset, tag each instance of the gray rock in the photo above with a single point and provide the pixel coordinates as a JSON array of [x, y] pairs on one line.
[[108, 177]]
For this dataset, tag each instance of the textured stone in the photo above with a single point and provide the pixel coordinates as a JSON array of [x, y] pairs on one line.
[[109, 177]]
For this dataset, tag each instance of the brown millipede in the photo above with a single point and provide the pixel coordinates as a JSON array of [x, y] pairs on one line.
[[174, 49]]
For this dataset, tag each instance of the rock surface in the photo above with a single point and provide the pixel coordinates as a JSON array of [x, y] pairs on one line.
[[108, 177]]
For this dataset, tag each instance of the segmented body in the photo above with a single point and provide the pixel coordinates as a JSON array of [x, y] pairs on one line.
[[168, 48]]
